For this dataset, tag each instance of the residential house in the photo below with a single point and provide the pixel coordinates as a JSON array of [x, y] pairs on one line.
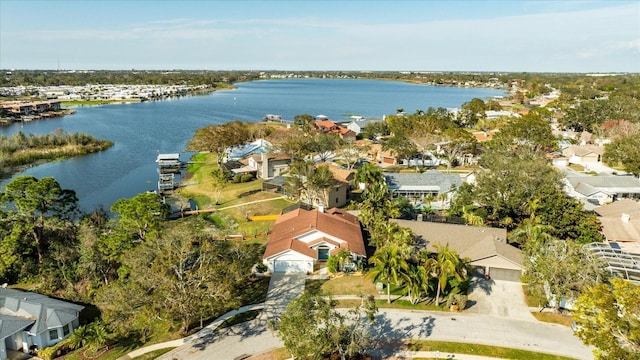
[[583, 154], [485, 247], [602, 189], [338, 194], [259, 146], [415, 186], [378, 155], [620, 222], [302, 238], [33, 321], [494, 114], [269, 166], [358, 124], [330, 127], [482, 136]]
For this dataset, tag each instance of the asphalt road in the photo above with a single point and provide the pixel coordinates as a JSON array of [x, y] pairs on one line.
[[392, 326]]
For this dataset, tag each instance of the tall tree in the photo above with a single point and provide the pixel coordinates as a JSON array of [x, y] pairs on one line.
[[563, 268], [218, 138], [36, 211], [447, 265], [624, 151], [310, 182], [140, 216], [311, 327], [607, 318], [323, 145], [390, 265], [304, 122], [457, 142], [472, 111]]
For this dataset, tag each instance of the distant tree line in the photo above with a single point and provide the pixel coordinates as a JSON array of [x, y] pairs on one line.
[[129, 77]]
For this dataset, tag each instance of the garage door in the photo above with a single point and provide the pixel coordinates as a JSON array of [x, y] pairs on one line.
[[294, 266], [505, 274]]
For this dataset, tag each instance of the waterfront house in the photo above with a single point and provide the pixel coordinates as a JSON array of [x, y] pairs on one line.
[[259, 146], [33, 321], [268, 166], [415, 186], [302, 238]]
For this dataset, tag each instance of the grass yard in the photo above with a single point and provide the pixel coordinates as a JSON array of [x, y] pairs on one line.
[[479, 350], [354, 284], [552, 317], [233, 216], [576, 167]]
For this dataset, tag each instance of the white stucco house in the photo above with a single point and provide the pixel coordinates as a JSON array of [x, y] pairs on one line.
[[301, 238], [34, 321]]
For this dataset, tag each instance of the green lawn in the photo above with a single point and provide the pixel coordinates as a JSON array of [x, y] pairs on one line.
[[344, 285], [480, 350]]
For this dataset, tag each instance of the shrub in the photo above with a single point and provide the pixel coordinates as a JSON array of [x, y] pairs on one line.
[[246, 178], [332, 264], [237, 178], [261, 268], [58, 349]]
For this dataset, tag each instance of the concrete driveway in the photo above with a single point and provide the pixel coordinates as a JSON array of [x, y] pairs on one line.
[[282, 289], [498, 298]]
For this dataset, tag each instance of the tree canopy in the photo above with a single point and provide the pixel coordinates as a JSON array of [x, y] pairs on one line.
[[38, 214], [312, 328], [606, 317], [624, 151]]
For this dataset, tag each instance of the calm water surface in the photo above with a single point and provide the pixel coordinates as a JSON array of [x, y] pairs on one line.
[[140, 131]]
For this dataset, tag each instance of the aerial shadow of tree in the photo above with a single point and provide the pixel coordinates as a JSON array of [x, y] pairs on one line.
[[389, 335]]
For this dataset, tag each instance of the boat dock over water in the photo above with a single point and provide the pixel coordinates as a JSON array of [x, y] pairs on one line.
[[169, 165]]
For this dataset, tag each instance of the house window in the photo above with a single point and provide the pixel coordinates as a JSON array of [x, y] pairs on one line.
[[53, 334], [66, 330]]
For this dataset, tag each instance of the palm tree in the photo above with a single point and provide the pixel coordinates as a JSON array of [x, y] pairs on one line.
[[390, 263], [369, 175], [417, 281], [531, 232], [445, 265], [428, 199]]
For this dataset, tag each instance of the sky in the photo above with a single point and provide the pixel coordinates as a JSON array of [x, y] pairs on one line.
[[498, 36]]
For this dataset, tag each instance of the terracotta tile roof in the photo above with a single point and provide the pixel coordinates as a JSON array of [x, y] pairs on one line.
[[325, 124], [336, 223]]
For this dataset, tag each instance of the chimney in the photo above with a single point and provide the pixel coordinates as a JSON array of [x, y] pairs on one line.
[[321, 208], [625, 218]]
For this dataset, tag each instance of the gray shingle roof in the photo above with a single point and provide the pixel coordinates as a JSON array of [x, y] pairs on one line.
[[611, 182], [47, 312], [473, 242], [10, 325], [431, 179]]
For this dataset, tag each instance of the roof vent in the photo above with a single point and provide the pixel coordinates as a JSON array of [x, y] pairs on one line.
[[625, 217]]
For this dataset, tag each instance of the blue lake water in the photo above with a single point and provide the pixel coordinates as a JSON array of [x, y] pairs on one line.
[[140, 131]]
